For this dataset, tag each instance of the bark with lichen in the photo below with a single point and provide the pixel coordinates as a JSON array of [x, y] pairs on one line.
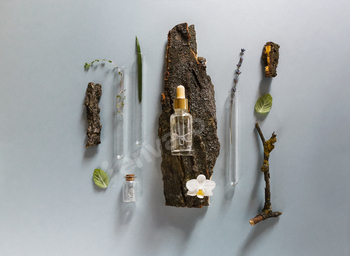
[[92, 97], [266, 212], [271, 56], [184, 67]]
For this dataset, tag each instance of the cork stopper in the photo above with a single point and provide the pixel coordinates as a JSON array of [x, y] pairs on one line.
[[180, 101], [130, 177]]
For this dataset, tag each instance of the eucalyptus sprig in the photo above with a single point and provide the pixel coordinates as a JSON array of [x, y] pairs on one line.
[[120, 96], [88, 65]]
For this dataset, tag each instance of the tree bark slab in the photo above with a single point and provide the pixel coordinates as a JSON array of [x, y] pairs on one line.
[[183, 67], [92, 96]]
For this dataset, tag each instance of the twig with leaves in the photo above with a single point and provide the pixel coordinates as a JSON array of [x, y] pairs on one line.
[[266, 212], [120, 95]]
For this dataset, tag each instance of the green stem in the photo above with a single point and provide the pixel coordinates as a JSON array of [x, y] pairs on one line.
[[139, 69]]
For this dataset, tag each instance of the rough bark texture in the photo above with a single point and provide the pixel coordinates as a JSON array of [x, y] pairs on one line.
[[271, 56], [92, 96], [183, 67], [266, 212]]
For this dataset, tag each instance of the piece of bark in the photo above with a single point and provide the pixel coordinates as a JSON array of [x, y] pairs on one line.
[[92, 96], [271, 55], [183, 67]]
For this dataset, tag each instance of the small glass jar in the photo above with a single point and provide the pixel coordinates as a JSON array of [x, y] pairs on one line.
[[129, 188]]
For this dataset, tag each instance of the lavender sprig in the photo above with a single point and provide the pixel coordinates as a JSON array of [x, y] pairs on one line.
[[237, 71], [234, 87]]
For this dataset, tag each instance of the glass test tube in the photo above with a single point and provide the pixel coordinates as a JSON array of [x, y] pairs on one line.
[[233, 174], [137, 99], [119, 115]]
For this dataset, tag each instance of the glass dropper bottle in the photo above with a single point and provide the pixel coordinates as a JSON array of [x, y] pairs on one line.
[[181, 125]]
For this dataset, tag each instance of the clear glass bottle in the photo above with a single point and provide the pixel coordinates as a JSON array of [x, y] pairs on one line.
[[129, 188], [181, 125]]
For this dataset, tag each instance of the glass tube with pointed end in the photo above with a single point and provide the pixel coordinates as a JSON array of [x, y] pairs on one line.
[[119, 114], [137, 99], [233, 129]]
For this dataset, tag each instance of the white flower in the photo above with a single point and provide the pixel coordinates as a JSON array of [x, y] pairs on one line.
[[200, 187]]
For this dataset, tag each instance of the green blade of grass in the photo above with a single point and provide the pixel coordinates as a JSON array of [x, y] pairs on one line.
[[139, 69]]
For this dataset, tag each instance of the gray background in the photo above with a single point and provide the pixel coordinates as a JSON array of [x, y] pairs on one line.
[[49, 205]]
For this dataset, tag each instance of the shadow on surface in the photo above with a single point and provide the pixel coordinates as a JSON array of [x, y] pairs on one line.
[[259, 162], [260, 117], [264, 88], [257, 231], [265, 83], [125, 210], [91, 152], [183, 219], [163, 218], [96, 188], [229, 192]]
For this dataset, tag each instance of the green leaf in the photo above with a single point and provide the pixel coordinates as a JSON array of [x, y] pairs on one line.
[[263, 104], [101, 178], [139, 68], [138, 48]]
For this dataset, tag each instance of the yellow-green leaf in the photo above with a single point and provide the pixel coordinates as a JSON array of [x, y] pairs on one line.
[[263, 104], [101, 178]]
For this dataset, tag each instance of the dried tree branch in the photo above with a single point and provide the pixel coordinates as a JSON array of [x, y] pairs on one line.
[[260, 133], [267, 210]]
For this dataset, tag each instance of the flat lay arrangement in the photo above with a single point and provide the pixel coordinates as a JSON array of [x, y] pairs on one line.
[[188, 120], [174, 128]]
